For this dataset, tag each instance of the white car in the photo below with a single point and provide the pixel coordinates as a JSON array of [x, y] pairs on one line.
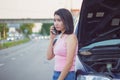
[[10, 38]]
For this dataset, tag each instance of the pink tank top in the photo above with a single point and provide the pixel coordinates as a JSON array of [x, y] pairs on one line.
[[60, 52]]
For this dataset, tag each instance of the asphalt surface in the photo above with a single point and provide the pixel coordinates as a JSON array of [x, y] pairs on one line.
[[26, 62]]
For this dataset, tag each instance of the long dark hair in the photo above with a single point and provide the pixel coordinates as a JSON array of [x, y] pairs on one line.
[[67, 19]]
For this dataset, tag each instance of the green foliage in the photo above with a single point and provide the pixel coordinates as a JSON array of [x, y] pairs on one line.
[[13, 43], [3, 30], [46, 29], [27, 28]]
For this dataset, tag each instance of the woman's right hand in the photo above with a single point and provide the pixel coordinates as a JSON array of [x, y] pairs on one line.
[[52, 36]]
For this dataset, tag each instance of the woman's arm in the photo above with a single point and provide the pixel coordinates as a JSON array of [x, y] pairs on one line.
[[50, 53], [71, 49]]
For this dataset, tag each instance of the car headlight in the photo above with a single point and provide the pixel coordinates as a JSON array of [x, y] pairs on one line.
[[85, 53], [92, 77]]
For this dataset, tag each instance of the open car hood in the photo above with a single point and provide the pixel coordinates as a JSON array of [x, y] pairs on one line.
[[99, 21], [98, 34]]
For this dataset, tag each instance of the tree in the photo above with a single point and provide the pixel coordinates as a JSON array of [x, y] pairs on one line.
[[46, 29], [3, 30], [26, 28]]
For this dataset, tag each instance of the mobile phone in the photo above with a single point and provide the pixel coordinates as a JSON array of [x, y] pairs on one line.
[[54, 31]]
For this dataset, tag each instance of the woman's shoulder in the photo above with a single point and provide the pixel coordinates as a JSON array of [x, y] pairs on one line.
[[71, 37]]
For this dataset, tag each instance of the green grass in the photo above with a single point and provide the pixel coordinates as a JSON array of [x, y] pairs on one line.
[[13, 43]]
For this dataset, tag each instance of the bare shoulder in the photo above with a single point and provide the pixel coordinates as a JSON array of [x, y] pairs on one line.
[[72, 37]]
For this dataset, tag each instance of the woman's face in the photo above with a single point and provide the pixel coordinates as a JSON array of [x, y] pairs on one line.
[[58, 23]]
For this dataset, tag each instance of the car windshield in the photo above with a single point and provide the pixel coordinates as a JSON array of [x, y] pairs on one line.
[[104, 43]]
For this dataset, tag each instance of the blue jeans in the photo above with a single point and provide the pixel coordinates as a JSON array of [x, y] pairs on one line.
[[70, 75]]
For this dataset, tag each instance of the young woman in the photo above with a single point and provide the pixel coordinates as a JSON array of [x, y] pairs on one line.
[[65, 48]]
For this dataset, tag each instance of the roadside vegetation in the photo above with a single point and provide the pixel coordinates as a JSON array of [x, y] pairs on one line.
[[13, 43], [25, 29]]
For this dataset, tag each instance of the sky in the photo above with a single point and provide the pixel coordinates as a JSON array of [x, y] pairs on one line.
[[34, 8]]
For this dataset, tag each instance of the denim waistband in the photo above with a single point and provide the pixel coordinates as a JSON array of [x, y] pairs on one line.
[[70, 76]]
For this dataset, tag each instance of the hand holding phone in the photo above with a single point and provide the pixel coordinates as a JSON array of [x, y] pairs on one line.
[[54, 31]]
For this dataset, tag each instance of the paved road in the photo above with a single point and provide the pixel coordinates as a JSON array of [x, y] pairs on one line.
[[26, 62]]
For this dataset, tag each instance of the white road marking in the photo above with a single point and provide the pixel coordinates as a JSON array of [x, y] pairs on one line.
[[1, 64]]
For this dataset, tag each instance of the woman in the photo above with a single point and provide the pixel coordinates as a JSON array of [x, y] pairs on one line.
[[65, 48]]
